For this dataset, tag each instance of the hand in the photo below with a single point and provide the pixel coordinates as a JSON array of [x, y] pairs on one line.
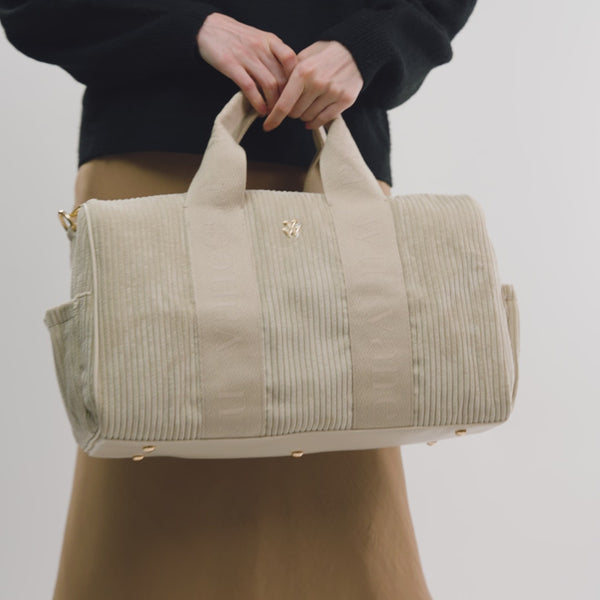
[[247, 56], [324, 83]]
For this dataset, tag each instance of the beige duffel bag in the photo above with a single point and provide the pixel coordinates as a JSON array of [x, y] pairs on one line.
[[225, 322]]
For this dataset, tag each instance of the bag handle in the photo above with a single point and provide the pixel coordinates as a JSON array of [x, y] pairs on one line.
[[313, 182], [337, 170]]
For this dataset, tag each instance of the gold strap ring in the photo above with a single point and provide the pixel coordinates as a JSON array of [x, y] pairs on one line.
[[68, 219]]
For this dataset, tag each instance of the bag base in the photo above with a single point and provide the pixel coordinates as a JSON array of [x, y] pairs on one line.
[[293, 444]]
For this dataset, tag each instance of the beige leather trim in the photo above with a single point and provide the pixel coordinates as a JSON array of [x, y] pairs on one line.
[[308, 442]]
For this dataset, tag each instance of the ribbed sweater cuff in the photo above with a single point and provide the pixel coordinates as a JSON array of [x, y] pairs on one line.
[[364, 34]]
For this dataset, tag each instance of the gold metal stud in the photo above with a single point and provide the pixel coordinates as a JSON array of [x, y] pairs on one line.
[[138, 457], [460, 431], [149, 448], [432, 443], [297, 453]]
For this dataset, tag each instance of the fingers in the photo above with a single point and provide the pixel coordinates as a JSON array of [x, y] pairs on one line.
[[239, 75], [314, 110], [285, 55], [257, 61], [327, 114], [314, 102], [286, 102], [265, 80], [316, 85], [277, 61], [325, 82]]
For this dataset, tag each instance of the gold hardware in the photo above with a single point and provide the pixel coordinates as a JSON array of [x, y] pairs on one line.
[[149, 448], [69, 218], [291, 228], [460, 431], [432, 443], [297, 453], [138, 457]]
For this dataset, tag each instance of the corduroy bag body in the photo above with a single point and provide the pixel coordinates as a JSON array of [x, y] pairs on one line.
[[226, 323]]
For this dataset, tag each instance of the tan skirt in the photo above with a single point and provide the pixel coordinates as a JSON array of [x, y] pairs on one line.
[[333, 525]]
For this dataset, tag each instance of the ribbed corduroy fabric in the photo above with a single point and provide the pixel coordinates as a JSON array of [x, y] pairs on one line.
[[463, 361], [464, 327], [307, 350], [70, 326]]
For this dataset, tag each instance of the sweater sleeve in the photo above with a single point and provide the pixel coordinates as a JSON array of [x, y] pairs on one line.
[[108, 41], [395, 43]]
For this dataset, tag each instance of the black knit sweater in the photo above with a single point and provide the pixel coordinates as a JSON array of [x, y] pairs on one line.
[[147, 87]]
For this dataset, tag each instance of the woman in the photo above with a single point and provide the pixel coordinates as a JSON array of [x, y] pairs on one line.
[[330, 525]]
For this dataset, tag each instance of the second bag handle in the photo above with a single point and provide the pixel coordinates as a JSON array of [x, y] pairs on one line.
[[338, 169]]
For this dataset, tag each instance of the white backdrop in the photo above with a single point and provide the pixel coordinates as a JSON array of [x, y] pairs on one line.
[[513, 121]]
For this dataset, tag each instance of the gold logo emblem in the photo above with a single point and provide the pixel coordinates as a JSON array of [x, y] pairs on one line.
[[291, 228]]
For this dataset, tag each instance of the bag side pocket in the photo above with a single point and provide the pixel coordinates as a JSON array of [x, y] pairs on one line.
[[512, 317], [69, 325]]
